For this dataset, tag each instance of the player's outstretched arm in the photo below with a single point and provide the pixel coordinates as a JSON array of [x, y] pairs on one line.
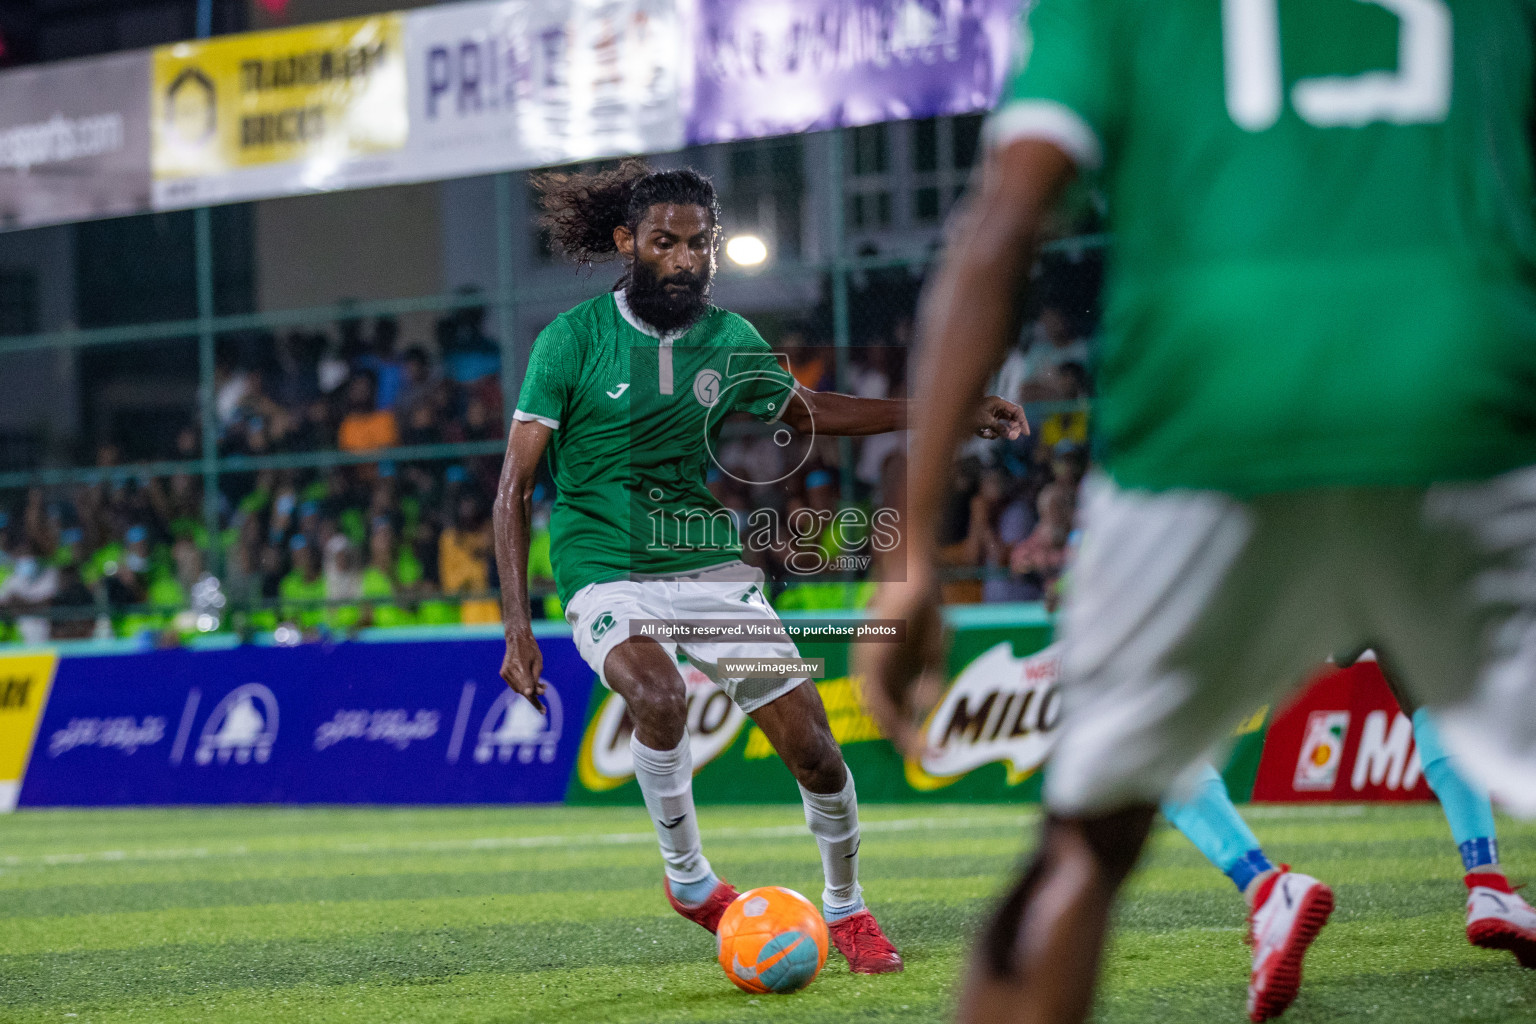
[[968, 316], [514, 505], [831, 414]]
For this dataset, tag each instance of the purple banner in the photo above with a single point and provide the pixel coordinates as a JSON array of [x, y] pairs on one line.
[[422, 722], [772, 67]]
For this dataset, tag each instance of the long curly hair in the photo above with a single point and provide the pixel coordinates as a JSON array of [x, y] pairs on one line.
[[581, 210]]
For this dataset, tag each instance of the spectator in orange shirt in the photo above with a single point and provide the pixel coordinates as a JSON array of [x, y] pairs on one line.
[[366, 426]]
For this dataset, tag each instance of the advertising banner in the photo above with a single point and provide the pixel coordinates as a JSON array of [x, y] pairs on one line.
[[24, 683], [1343, 739], [354, 722], [803, 65], [989, 736], [74, 140], [524, 83], [278, 113]]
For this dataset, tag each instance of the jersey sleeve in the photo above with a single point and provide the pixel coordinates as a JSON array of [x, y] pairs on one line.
[[1065, 89], [553, 367], [758, 380]]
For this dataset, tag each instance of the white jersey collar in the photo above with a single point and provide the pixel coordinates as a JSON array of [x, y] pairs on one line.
[[640, 325]]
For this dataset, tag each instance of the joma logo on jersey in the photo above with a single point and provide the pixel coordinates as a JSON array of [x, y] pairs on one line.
[[603, 624]]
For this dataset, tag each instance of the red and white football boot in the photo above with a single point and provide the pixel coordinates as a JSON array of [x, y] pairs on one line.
[[1500, 919], [1284, 922]]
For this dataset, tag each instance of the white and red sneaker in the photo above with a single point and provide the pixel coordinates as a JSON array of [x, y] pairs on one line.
[[1285, 920], [707, 914], [1498, 919]]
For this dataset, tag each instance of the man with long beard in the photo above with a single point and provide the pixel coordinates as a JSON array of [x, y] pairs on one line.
[[627, 392]]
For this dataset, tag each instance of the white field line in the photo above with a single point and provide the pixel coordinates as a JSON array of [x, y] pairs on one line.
[[1263, 811], [924, 824]]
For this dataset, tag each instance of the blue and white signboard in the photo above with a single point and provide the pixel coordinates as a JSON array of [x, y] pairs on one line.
[[410, 722]]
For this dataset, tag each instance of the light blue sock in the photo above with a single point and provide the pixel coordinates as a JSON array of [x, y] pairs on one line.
[[1467, 808], [1210, 821], [691, 894]]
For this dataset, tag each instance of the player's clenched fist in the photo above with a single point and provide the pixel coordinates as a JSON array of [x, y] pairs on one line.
[[521, 665], [999, 418]]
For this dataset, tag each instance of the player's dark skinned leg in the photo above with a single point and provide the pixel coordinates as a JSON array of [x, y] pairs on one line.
[[1038, 957], [796, 725], [644, 674]]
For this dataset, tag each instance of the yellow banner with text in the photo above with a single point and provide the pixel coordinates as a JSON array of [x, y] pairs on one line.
[[25, 680], [319, 95]]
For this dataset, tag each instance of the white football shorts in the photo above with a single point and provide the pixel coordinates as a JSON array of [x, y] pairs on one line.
[[1188, 610], [600, 615]]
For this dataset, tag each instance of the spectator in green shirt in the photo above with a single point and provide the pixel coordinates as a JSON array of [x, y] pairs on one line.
[[303, 584], [381, 577]]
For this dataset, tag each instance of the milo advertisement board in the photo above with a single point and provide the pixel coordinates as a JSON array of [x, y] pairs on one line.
[[988, 737]]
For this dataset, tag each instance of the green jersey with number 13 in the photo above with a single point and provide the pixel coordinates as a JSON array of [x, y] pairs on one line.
[[1323, 270]]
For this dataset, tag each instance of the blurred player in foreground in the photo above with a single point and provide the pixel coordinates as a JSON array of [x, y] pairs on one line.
[[627, 392], [1317, 413]]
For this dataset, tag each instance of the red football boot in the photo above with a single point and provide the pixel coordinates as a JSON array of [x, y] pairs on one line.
[[864, 945], [707, 914]]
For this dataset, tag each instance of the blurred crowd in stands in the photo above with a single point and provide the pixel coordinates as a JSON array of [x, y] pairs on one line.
[[394, 543]]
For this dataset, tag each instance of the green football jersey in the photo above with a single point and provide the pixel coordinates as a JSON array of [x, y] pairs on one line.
[[636, 417], [1323, 266]]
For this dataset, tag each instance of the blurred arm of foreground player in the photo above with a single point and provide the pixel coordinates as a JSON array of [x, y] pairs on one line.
[[968, 317], [1036, 960]]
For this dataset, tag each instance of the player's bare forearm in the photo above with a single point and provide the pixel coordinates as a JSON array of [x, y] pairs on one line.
[[969, 314], [523, 662], [513, 510], [830, 414]]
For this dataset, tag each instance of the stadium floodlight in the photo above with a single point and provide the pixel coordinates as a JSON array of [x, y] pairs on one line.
[[746, 250]]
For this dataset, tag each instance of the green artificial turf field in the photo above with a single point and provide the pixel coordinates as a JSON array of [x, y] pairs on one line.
[[554, 915]]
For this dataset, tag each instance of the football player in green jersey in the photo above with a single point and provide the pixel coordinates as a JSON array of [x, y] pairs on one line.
[[1317, 413], [626, 393]]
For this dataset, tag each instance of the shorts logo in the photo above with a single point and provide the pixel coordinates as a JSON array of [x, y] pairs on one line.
[[706, 387], [603, 624]]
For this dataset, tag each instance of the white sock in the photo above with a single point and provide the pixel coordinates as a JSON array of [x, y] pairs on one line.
[[666, 782], [833, 819]]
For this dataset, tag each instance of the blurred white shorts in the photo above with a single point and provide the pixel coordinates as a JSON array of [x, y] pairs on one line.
[[1188, 610], [600, 615]]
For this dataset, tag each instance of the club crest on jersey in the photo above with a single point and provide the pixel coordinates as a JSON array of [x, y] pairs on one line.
[[706, 387], [601, 625]]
